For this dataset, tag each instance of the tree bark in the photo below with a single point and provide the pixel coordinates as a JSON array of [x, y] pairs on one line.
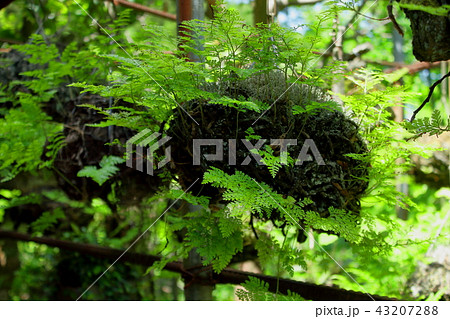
[[431, 34], [259, 12]]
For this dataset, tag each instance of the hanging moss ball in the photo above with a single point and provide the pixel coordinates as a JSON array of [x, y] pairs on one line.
[[334, 181]]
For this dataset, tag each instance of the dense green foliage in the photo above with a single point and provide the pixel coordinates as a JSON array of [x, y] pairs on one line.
[[149, 88]]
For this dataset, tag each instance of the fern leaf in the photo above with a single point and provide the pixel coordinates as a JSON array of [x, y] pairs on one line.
[[107, 169]]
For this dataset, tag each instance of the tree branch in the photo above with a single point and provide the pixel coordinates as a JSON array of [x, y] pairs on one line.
[[428, 96], [227, 276], [412, 68], [140, 7], [393, 20], [283, 4]]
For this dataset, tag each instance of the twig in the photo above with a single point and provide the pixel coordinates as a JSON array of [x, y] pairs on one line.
[[283, 4], [392, 18], [429, 96], [372, 18], [412, 68], [357, 12], [347, 26]]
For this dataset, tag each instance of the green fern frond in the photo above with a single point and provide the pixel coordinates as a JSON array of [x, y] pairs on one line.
[[47, 220], [108, 167], [258, 290], [433, 125], [205, 235]]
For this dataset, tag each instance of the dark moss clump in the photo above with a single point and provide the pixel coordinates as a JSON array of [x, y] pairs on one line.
[[85, 146], [339, 183]]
